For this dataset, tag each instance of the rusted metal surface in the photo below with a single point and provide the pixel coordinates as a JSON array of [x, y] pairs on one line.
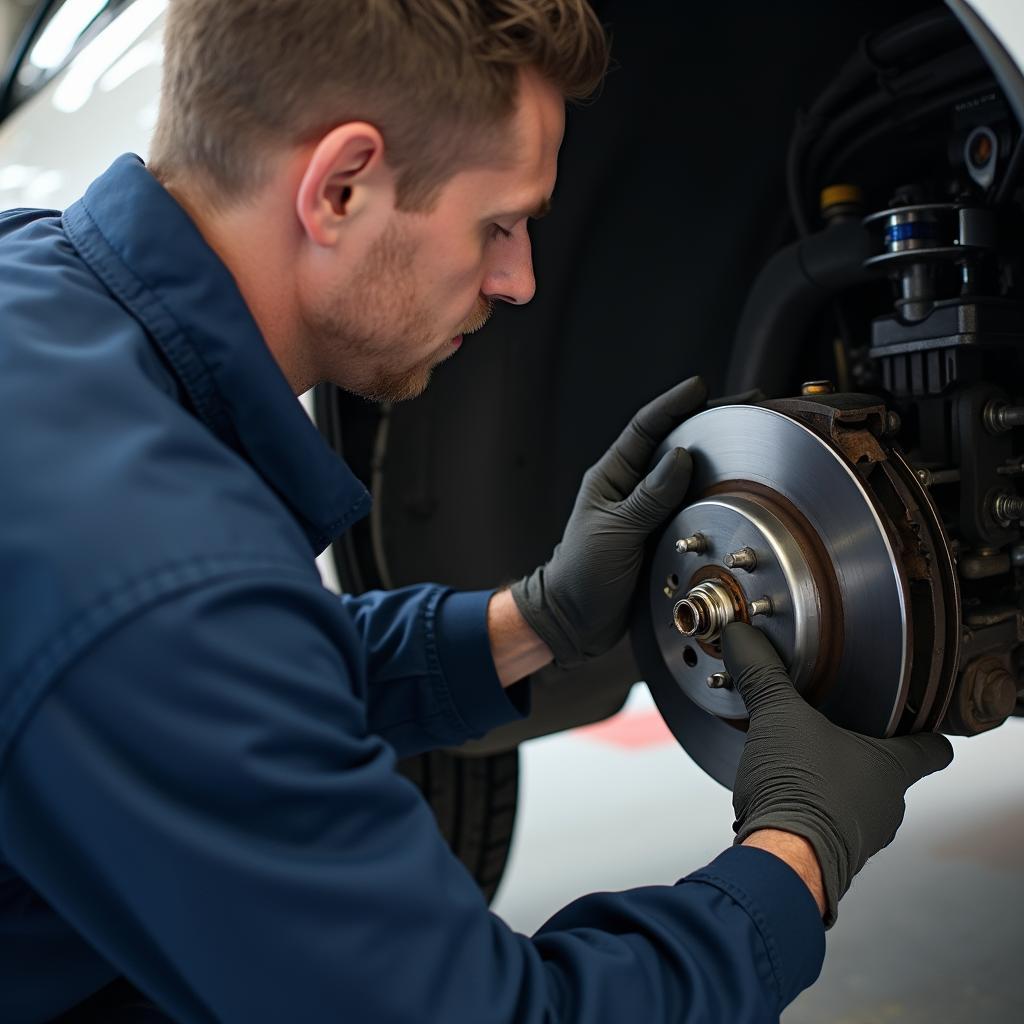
[[861, 429], [983, 565], [985, 696], [935, 596]]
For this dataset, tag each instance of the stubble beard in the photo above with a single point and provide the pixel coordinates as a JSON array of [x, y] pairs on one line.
[[369, 325]]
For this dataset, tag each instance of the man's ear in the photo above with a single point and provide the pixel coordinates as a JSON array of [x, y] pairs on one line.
[[345, 178]]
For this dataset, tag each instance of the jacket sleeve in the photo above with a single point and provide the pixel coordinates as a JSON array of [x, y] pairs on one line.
[[200, 797], [431, 680]]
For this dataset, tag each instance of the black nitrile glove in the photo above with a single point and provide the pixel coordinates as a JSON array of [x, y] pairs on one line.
[[579, 602], [843, 792]]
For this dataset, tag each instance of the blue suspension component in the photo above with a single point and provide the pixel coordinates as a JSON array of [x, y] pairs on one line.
[[911, 229]]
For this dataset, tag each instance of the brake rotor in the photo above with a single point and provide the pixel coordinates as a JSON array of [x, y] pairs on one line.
[[824, 539]]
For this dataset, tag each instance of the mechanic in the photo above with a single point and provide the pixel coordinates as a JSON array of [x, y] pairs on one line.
[[199, 808]]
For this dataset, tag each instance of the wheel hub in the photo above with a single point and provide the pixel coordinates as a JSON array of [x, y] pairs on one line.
[[797, 531]]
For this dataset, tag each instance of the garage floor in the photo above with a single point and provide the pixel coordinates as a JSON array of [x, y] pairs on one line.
[[932, 930]]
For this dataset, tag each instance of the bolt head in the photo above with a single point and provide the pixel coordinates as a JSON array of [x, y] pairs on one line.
[[996, 696]]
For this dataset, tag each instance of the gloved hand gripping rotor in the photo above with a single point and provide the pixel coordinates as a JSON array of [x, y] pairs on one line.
[[800, 773], [578, 603]]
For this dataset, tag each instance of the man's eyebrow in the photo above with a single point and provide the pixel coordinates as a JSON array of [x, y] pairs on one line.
[[542, 209]]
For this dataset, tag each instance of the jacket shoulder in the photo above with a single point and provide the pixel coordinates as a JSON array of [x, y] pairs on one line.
[[109, 480]]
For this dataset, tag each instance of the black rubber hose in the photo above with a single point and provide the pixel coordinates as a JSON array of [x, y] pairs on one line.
[[932, 107], [814, 142], [946, 72], [789, 292], [914, 36], [881, 53], [875, 61]]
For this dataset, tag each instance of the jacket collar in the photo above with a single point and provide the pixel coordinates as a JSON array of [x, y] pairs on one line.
[[149, 253]]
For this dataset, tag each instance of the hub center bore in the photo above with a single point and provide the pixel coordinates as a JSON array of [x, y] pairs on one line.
[[704, 612]]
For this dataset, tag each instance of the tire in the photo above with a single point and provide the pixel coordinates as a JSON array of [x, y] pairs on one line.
[[473, 797], [474, 801]]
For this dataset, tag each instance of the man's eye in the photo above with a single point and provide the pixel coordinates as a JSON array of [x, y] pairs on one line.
[[497, 231]]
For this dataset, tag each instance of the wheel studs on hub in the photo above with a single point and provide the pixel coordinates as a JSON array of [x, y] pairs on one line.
[[697, 544], [745, 558], [710, 605]]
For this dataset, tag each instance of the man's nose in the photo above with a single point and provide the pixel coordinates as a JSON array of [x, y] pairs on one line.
[[510, 276]]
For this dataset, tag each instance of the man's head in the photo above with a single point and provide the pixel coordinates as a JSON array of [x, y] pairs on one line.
[[366, 167]]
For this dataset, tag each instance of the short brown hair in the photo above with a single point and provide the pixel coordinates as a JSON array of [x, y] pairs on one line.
[[436, 77]]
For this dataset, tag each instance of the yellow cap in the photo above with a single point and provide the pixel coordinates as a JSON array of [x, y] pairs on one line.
[[834, 195]]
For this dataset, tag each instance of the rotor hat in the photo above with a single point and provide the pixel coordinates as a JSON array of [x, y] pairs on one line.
[[731, 522]]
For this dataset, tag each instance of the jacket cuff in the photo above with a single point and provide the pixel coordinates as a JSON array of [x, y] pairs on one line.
[[781, 908], [464, 650]]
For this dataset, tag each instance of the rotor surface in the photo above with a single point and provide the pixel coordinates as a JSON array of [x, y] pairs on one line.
[[770, 492]]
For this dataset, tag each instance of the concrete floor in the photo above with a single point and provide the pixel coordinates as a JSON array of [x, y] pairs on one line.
[[931, 931]]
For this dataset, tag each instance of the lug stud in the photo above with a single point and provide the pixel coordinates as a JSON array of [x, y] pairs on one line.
[[698, 544], [745, 558], [720, 681], [762, 606]]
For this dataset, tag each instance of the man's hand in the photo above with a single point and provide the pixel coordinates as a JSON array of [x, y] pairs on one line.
[[799, 773], [579, 601]]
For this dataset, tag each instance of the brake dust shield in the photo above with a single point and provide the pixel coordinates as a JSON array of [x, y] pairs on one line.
[[824, 539]]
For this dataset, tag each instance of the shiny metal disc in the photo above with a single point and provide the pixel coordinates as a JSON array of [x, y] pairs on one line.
[[749, 461]]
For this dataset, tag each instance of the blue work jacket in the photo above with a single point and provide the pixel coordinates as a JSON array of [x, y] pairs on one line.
[[197, 740]]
